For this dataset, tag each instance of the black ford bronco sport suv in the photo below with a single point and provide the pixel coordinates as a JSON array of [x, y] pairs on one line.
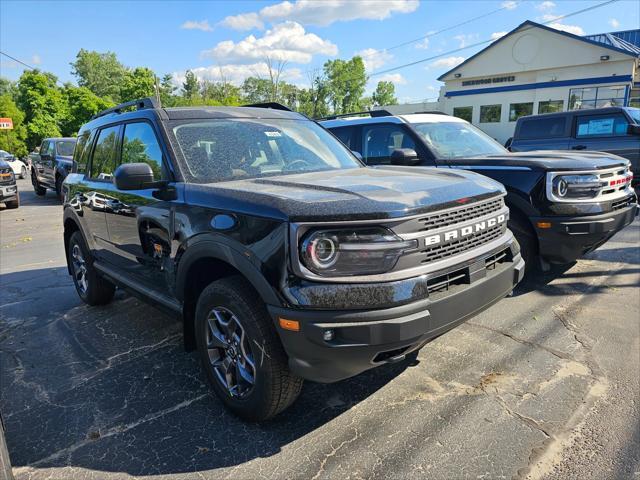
[[562, 204], [284, 255]]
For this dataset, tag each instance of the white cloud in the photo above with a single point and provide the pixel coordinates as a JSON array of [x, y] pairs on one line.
[[396, 78], [244, 21], [497, 35], [447, 62], [465, 40], [614, 22], [575, 29], [236, 73], [36, 60], [286, 41], [424, 44], [197, 25], [312, 12], [509, 5], [545, 6], [374, 59]]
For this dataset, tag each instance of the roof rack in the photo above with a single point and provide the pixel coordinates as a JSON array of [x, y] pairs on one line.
[[272, 105], [140, 104], [371, 113], [433, 112]]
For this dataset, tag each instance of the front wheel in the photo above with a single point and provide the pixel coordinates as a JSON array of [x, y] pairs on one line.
[[23, 172], [241, 353], [40, 190], [91, 287]]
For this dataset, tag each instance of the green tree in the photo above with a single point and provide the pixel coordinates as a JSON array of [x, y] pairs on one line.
[[13, 141], [167, 89], [313, 101], [385, 94], [191, 86], [256, 90], [82, 104], [101, 73], [43, 105], [138, 83], [221, 93], [8, 87], [346, 80]]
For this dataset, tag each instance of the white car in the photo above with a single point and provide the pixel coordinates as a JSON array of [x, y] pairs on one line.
[[20, 169]]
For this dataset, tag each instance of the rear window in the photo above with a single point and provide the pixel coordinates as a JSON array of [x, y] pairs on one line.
[[65, 149], [542, 127]]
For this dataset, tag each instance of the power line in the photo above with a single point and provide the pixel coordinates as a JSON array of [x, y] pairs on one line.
[[16, 60], [484, 42]]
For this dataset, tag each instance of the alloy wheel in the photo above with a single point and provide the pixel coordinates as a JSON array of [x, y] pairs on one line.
[[79, 269], [230, 353]]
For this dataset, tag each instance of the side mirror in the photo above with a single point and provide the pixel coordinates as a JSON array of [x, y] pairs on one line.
[[358, 155], [133, 176], [633, 129], [404, 156]]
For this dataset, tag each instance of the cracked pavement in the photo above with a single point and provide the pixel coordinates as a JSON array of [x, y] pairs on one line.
[[542, 385]]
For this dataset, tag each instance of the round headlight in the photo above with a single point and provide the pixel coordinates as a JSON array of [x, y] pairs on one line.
[[322, 251], [562, 187]]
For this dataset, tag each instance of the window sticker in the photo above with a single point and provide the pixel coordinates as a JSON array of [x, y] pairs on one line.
[[601, 126], [273, 134]]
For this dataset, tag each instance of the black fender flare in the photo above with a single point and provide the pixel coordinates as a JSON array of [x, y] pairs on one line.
[[212, 248]]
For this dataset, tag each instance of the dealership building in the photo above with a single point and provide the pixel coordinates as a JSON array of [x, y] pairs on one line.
[[537, 69]]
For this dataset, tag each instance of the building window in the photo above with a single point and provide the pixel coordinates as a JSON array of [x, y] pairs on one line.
[[490, 113], [551, 106], [517, 110], [597, 97], [465, 113]]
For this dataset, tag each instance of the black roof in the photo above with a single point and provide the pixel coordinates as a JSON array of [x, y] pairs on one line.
[[184, 113]]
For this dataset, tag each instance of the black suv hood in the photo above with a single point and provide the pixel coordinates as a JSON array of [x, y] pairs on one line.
[[359, 193], [547, 160]]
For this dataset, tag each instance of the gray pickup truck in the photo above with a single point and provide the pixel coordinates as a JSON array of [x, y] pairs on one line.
[[613, 129], [51, 165]]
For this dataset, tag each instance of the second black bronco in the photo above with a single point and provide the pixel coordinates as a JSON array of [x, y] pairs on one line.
[[285, 256]]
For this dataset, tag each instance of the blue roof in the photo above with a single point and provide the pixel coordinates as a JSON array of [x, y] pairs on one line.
[[621, 42], [628, 40]]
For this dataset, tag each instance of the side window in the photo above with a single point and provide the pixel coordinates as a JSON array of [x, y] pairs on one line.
[[601, 126], [140, 145], [381, 140], [344, 134], [44, 147], [51, 149], [79, 154], [103, 162], [542, 127]]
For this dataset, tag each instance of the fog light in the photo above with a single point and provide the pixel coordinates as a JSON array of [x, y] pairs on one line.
[[328, 335]]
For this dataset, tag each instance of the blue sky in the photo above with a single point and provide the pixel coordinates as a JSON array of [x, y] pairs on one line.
[[232, 39]]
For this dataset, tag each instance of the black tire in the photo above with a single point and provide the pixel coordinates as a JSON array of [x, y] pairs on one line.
[[59, 181], [23, 172], [97, 290], [525, 236], [275, 388], [40, 190], [14, 203]]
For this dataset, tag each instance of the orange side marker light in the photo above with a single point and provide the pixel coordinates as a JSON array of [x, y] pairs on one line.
[[292, 325]]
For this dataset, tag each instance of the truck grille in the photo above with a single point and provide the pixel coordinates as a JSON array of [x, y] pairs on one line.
[[439, 252], [459, 215], [6, 176]]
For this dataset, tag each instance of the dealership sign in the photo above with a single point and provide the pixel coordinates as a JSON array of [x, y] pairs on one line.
[[484, 81], [6, 124]]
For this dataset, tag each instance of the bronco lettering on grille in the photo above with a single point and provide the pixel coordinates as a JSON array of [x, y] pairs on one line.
[[464, 231]]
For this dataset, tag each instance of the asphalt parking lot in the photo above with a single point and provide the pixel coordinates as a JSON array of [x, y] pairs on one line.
[[544, 384]]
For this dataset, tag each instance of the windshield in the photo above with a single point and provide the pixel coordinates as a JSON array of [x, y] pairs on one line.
[[231, 149], [457, 140], [635, 114], [65, 149]]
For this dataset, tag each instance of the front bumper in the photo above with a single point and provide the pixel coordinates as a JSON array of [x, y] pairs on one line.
[[364, 339], [569, 238], [8, 192]]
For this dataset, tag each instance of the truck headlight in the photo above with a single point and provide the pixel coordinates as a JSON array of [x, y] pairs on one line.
[[359, 251], [575, 186]]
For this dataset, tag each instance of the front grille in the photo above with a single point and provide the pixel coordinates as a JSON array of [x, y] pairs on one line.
[[444, 219], [6, 176], [439, 252]]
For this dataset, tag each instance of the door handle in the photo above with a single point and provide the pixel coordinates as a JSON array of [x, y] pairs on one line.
[[579, 147]]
